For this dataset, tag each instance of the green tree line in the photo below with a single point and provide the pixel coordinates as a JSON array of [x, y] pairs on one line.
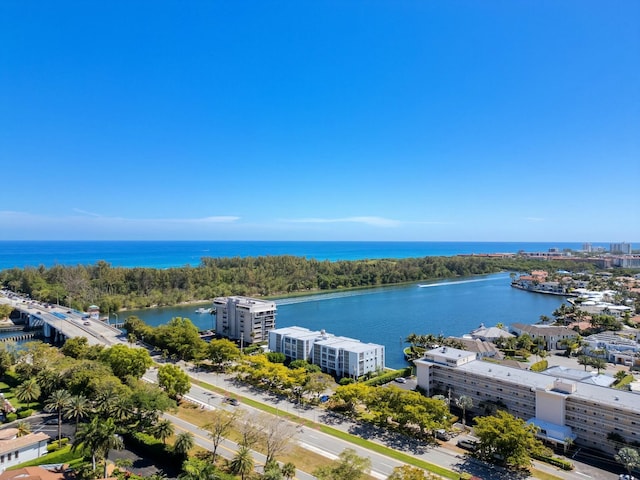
[[115, 288]]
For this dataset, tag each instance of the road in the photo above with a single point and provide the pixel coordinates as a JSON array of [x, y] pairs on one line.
[[446, 455]]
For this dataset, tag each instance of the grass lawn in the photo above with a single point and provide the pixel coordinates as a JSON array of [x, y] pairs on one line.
[[64, 455]]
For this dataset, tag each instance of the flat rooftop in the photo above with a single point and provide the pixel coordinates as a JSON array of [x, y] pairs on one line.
[[584, 391]]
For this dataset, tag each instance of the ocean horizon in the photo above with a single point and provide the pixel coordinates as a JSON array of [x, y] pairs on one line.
[[168, 254]]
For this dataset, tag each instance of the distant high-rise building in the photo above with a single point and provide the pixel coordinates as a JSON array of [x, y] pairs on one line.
[[587, 247], [623, 247], [243, 318]]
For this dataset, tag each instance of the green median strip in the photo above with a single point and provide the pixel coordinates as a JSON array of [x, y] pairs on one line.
[[376, 447]]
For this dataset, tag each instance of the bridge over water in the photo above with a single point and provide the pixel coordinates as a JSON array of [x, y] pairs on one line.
[[59, 323]]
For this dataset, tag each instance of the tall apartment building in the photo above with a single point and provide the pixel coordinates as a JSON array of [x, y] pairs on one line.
[[620, 248], [243, 318], [564, 410], [340, 356]]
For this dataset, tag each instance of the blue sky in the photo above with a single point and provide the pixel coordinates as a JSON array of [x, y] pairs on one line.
[[328, 120]]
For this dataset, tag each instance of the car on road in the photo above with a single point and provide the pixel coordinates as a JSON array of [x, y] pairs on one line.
[[468, 445], [401, 380], [232, 401], [87, 323]]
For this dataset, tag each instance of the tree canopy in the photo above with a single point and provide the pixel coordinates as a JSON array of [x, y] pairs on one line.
[[507, 440]]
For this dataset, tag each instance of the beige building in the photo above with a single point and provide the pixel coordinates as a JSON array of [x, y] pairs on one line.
[[551, 335], [246, 319], [562, 409]]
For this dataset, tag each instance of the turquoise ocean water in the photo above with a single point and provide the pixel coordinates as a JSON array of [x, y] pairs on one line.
[[165, 254]]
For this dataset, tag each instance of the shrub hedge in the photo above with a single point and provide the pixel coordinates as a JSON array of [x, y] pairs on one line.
[[387, 377], [539, 366], [555, 461]]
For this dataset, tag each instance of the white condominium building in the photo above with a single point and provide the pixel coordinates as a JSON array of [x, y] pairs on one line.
[[340, 356], [243, 318], [564, 410]]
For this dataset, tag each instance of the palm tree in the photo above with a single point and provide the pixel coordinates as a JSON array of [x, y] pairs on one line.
[[184, 442], [163, 430], [24, 428], [288, 470], [57, 402], [272, 472], [98, 437], [463, 402], [78, 408], [28, 391], [198, 469], [242, 463], [411, 339], [157, 476]]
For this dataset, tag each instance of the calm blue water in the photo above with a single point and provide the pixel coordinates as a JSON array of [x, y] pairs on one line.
[[387, 315], [165, 254]]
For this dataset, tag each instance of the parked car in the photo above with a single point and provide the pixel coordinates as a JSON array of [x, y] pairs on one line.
[[468, 445], [401, 380], [443, 435]]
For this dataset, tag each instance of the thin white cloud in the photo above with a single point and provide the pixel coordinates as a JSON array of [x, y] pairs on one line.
[[84, 212], [365, 220], [81, 215], [373, 221]]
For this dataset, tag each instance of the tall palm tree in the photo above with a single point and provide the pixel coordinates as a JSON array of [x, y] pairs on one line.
[[184, 442], [288, 470], [57, 402], [78, 408], [242, 463], [98, 437], [163, 430], [28, 391], [463, 402]]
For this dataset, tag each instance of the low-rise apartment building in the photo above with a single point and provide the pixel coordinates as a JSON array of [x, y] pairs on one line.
[[339, 356], [244, 318], [564, 410]]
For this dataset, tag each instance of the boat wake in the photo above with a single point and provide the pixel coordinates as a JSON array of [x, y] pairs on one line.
[[444, 284]]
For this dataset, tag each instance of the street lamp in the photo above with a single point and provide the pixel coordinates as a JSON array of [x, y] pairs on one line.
[[116, 317]]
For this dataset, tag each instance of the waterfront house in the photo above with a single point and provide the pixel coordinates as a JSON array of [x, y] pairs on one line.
[[552, 335], [490, 334]]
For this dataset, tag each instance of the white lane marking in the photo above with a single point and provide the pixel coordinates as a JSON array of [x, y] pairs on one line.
[[319, 451]]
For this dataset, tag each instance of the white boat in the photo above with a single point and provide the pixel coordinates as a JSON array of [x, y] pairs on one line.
[[203, 310]]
